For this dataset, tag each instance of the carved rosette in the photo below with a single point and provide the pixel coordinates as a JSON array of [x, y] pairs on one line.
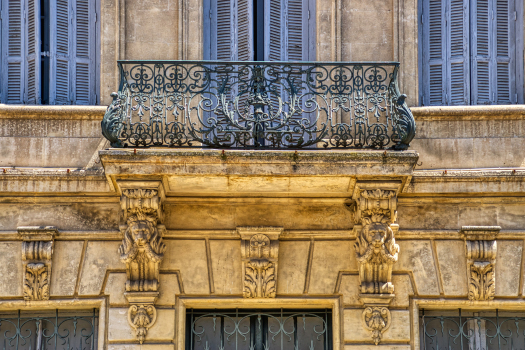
[[481, 249], [37, 252], [376, 319], [259, 253], [142, 251], [376, 248]]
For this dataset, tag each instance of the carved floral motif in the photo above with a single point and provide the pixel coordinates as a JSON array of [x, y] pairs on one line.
[[141, 317], [377, 319], [260, 250], [481, 259]]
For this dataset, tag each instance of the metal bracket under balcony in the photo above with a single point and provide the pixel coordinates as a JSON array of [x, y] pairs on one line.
[[259, 105]]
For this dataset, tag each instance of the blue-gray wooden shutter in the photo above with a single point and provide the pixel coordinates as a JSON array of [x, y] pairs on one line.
[[13, 51], [434, 52], [32, 27], [73, 52], [505, 55], [228, 32], [458, 68], [290, 30]]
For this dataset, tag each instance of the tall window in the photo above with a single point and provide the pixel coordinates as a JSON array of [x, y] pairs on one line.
[[472, 52], [48, 52], [259, 30]]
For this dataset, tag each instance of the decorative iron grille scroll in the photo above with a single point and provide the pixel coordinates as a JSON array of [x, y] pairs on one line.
[[259, 105], [41, 330], [258, 330], [467, 330]]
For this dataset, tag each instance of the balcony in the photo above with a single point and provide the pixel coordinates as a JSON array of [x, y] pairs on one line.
[[259, 105]]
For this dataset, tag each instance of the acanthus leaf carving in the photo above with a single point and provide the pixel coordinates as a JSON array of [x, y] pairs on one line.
[[377, 320], [141, 317], [481, 249], [37, 252], [259, 250]]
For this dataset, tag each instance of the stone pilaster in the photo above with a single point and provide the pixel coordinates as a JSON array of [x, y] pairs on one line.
[[259, 253], [142, 250], [481, 249], [37, 253]]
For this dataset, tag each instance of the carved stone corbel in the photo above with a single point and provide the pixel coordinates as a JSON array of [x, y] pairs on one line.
[[481, 249], [142, 251], [37, 252], [259, 253], [376, 251]]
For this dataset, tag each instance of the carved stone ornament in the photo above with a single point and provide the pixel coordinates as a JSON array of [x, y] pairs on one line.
[[481, 248], [376, 248], [259, 252], [142, 251], [37, 252], [141, 317], [376, 319]]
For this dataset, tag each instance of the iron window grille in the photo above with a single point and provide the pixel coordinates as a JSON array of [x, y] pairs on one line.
[[242, 329], [468, 330], [51, 329]]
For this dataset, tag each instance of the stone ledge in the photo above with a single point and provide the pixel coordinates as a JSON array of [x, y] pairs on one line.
[[469, 112], [51, 112]]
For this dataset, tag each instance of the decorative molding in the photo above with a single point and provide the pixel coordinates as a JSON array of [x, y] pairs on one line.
[[481, 249], [37, 252], [259, 254], [142, 250], [376, 319], [376, 248]]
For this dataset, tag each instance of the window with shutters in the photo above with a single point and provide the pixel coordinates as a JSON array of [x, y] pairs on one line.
[[259, 30], [472, 52], [48, 52]]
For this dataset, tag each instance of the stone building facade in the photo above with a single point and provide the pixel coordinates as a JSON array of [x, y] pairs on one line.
[[136, 240]]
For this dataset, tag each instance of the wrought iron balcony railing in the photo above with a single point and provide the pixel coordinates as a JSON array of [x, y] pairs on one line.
[[259, 105]]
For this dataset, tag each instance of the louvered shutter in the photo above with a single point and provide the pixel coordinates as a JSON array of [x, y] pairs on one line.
[[457, 89], [83, 88], [13, 45], [60, 89], [505, 45], [482, 43], [32, 93], [434, 49]]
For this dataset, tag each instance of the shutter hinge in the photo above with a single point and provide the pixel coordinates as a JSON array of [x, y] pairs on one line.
[[515, 98], [515, 15], [96, 17], [209, 13], [422, 19], [308, 14]]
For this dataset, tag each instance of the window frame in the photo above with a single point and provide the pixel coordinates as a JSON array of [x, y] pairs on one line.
[[184, 303]]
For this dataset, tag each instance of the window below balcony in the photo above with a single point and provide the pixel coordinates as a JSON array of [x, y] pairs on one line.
[[472, 52], [467, 330], [242, 329], [50, 329], [48, 52]]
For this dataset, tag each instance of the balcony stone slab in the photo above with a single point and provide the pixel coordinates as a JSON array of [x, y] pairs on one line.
[[199, 172]]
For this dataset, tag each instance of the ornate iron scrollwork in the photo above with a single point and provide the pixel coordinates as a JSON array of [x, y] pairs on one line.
[[259, 105]]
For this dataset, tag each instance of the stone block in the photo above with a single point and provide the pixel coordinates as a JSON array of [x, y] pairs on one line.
[[66, 262], [189, 257], [403, 290], [508, 268], [226, 266], [141, 346], [169, 288], [116, 287], [293, 259], [100, 256], [120, 330], [453, 266], [417, 256], [354, 330], [11, 269], [350, 290], [329, 258]]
